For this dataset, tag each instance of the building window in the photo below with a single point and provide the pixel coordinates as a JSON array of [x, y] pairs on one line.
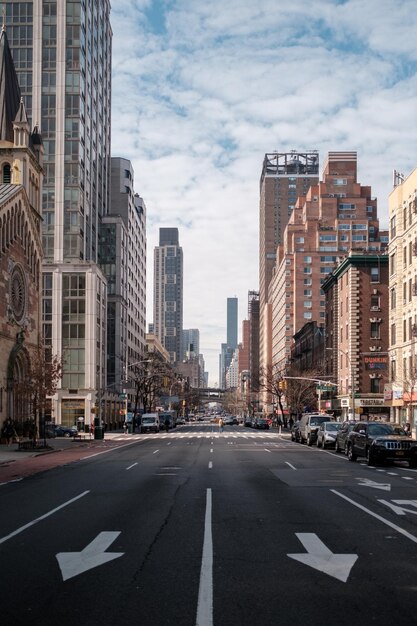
[[393, 298], [393, 227], [393, 335], [374, 274], [308, 259], [375, 385], [308, 315], [375, 330], [307, 270], [339, 181], [7, 177]]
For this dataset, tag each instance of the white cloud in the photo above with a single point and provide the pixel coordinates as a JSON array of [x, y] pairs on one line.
[[201, 93]]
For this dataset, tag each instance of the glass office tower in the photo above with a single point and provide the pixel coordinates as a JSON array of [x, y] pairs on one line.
[[62, 53]]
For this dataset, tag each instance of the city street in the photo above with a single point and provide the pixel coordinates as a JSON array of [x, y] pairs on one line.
[[197, 527]]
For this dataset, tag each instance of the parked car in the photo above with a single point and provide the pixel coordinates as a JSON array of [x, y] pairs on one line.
[[326, 435], [309, 425], [342, 435], [228, 420], [65, 431], [379, 443], [261, 423], [181, 420], [295, 431], [248, 421]]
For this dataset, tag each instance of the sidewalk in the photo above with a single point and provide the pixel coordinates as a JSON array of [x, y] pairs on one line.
[[12, 452]]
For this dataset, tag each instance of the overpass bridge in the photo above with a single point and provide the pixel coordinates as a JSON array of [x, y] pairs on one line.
[[211, 394]]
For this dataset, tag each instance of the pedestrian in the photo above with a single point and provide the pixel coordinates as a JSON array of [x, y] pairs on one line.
[[407, 428], [8, 431], [125, 428], [221, 424]]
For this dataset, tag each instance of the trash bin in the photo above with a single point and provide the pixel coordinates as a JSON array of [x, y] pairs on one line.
[[99, 432]]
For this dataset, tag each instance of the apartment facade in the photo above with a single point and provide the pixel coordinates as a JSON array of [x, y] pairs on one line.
[[168, 292], [62, 53], [357, 335], [337, 215], [402, 388], [285, 177]]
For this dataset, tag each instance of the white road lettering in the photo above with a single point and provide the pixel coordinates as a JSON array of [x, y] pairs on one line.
[[322, 559], [365, 482], [75, 563], [38, 519], [205, 592], [400, 510]]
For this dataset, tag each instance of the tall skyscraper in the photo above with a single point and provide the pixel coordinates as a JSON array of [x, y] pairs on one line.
[[168, 292], [191, 341], [232, 304], [227, 349], [62, 53], [285, 176], [122, 257]]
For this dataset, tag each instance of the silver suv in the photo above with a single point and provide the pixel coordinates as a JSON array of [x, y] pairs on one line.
[[309, 426]]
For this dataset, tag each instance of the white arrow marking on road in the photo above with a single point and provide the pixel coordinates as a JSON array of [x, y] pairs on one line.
[[75, 563], [400, 510], [365, 482], [321, 558]]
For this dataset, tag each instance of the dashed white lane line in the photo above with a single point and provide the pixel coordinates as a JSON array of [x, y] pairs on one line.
[[169, 443], [211, 450], [292, 466], [130, 466], [266, 450], [210, 465], [155, 451], [205, 592], [407, 478]]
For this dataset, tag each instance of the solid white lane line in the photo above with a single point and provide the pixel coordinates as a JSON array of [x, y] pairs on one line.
[[38, 519], [155, 451], [205, 592], [130, 466], [210, 464], [292, 466], [378, 517]]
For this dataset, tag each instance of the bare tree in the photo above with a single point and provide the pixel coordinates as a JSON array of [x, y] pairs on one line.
[[151, 377], [271, 381], [40, 384]]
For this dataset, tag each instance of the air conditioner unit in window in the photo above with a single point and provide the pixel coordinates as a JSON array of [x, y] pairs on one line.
[[374, 308], [372, 348], [375, 292]]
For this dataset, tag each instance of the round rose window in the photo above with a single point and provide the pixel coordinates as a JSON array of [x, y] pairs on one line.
[[18, 293]]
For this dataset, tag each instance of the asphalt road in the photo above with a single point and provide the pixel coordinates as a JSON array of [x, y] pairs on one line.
[[197, 527]]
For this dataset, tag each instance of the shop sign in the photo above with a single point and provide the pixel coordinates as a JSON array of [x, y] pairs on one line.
[[73, 404], [372, 402], [375, 362]]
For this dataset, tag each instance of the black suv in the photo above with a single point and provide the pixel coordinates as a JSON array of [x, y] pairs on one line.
[[379, 442]]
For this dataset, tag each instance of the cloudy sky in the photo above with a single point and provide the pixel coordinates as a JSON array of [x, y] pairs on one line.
[[203, 89]]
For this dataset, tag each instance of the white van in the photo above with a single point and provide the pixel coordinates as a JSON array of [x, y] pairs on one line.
[[149, 423]]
